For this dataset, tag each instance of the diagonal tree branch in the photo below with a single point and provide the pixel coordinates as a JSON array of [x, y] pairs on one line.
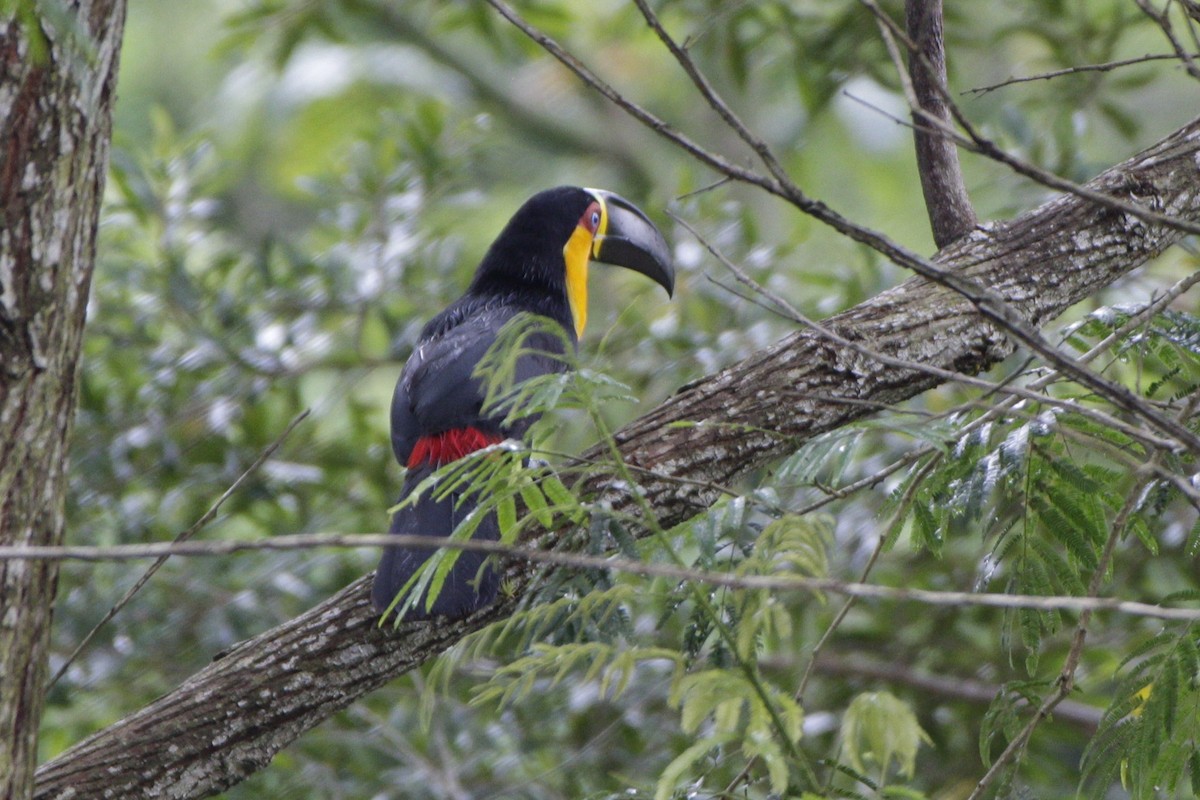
[[228, 720], [990, 304]]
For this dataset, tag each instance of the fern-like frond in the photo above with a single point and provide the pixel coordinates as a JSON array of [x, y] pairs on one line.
[[1150, 734], [733, 708], [881, 729], [545, 666]]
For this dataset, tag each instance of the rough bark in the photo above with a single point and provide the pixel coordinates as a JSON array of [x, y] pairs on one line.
[[1041, 263], [54, 139], [232, 717]]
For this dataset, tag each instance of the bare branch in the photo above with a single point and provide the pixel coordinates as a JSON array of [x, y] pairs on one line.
[[780, 583], [1163, 20], [949, 206], [1107, 66], [757, 144], [704, 156]]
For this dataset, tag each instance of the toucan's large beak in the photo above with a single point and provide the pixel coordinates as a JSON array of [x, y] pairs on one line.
[[629, 239]]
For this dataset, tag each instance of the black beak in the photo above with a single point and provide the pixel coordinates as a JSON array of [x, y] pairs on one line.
[[630, 240]]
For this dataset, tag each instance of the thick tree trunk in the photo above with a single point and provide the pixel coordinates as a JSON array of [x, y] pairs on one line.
[[55, 112], [229, 719]]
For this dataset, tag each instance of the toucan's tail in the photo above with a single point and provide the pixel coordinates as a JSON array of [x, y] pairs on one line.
[[470, 584]]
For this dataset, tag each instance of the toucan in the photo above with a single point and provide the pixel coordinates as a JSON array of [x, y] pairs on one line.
[[538, 265]]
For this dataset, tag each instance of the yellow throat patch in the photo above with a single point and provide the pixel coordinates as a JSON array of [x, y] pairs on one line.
[[577, 253]]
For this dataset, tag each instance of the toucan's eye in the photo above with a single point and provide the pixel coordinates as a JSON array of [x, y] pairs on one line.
[[591, 219]]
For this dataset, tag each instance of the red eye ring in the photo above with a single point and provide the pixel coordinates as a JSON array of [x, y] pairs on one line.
[[590, 221]]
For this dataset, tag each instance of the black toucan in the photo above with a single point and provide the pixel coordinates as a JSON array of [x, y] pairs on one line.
[[538, 264]]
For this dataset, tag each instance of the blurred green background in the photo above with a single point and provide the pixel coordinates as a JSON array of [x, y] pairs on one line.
[[296, 187]]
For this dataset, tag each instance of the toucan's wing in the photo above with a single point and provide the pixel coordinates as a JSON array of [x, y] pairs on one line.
[[438, 391]]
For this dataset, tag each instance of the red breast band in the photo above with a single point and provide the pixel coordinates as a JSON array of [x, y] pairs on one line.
[[442, 448]]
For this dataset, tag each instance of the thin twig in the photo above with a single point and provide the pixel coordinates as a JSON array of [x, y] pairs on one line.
[[206, 518], [876, 477], [1163, 20], [707, 188], [659, 126], [1107, 66], [130, 552], [714, 100]]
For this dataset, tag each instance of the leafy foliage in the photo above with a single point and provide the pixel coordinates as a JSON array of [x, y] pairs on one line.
[[1150, 734], [257, 264]]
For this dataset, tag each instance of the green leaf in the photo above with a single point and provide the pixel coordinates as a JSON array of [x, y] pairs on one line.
[[506, 515], [880, 729], [560, 496], [926, 528], [672, 775], [536, 502]]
